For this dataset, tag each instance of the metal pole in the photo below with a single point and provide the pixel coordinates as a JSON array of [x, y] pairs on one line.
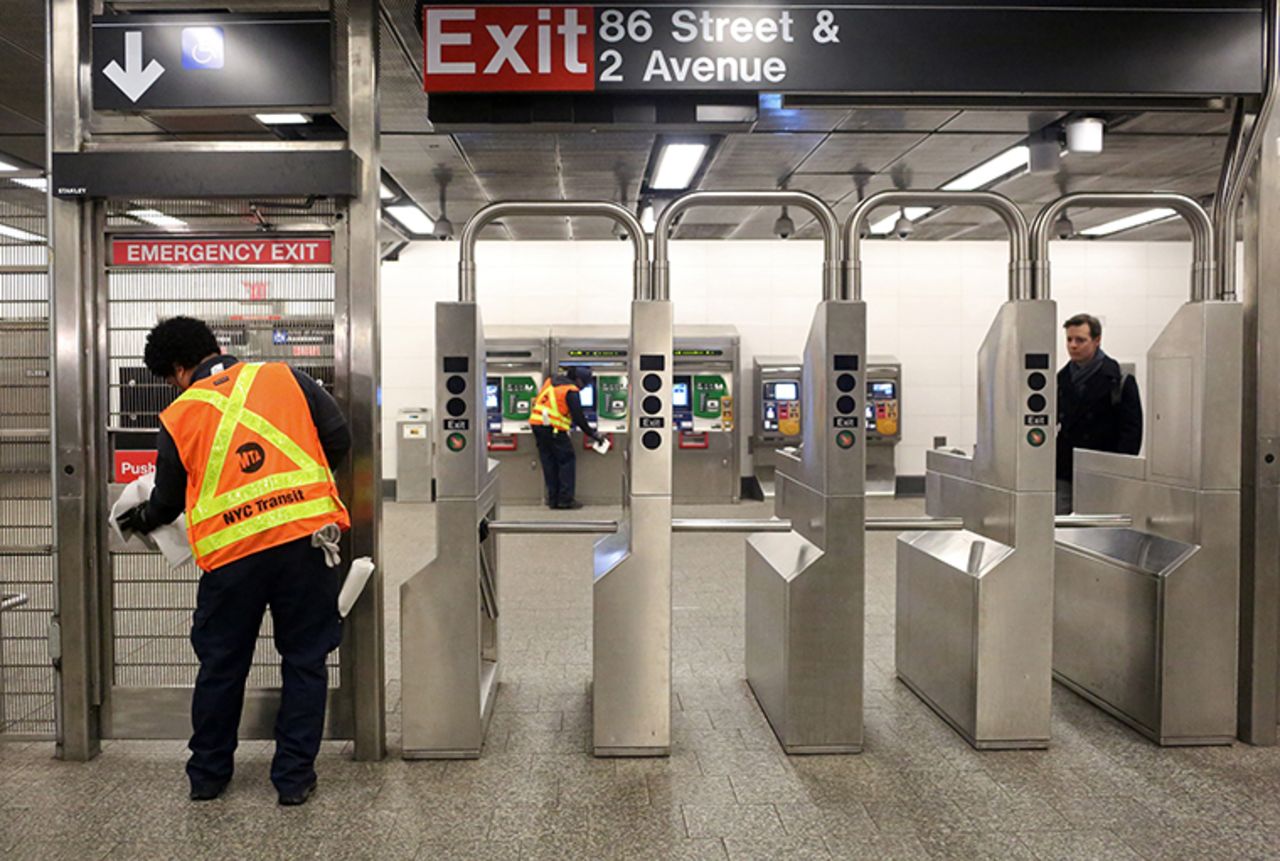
[[552, 527], [800, 199], [1202, 268], [356, 357], [1014, 221], [1240, 162], [74, 635], [543, 208], [721, 525]]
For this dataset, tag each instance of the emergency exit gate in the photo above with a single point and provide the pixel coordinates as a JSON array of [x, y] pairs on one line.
[[26, 526]]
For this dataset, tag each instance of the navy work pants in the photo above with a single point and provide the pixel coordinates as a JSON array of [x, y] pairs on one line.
[[559, 464], [302, 593]]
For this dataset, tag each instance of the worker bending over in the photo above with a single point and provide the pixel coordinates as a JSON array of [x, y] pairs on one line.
[[557, 409]]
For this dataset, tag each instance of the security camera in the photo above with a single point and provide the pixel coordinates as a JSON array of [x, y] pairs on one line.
[[902, 228], [1063, 228], [619, 232], [784, 227], [443, 229]]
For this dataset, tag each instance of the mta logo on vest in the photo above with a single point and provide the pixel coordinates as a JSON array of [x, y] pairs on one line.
[[252, 457]]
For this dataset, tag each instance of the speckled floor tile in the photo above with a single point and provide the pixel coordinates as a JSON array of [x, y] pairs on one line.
[[746, 821]]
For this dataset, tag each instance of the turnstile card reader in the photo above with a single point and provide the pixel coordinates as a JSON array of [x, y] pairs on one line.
[[517, 359], [449, 609], [805, 588], [1146, 619], [975, 606], [778, 419], [605, 350], [705, 426], [883, 423]]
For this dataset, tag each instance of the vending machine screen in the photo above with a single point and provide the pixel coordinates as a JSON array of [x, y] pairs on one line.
[[680, 395], [786, 392], [587, 395]]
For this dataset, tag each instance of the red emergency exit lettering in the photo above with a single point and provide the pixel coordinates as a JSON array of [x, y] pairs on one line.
[[508, 48], [132, 465], [194, 251]]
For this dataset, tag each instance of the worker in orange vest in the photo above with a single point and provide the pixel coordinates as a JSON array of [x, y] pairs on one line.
[[556, 411], [246, 450]]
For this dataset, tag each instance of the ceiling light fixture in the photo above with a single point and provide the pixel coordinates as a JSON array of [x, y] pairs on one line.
[[889, 222], [282, 119], [677, 165], [412, 219], [386, 192], [1010, 161], [36, 183], [1149, 216], [157, 218], [1085, 135], [648, 220], [20, 235], [6, 167]]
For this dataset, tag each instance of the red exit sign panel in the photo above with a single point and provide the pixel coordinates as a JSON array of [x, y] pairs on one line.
[[197, 251], [508, 49], [132, 465]]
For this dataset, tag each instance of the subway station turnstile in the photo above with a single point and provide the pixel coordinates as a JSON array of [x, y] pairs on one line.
[[1145, 618], [451, 609], [973, 637], [517, 361], [606, 351], [704, 397]]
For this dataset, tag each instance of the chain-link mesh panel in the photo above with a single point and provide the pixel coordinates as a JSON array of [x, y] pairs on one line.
[[26, 516], [274, 313]]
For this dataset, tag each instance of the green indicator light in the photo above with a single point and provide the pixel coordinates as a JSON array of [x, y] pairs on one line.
[[845, 439], [456, 441], [1036, 437]]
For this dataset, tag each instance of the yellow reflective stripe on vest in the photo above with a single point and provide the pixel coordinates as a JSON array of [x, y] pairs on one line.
[[548, 403], [263, 522], [211, 504]]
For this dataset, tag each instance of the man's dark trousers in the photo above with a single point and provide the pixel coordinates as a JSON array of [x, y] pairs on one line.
[[559, 464], [302, 593]]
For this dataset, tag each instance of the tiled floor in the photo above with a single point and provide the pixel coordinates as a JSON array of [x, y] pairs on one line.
[[727, 791]]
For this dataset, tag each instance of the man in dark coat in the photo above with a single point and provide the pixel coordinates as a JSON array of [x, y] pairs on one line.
[[1098, 404]]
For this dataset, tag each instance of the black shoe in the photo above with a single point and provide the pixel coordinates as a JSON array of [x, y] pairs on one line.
[[571, 505], [206, 791], [293, 799]]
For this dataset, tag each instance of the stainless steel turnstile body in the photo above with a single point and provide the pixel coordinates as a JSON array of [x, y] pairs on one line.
[[515, 357], [974, 606], [706, 432], [605, 350], [1145, 619], [805, 588], [449, 609], [778, 415]]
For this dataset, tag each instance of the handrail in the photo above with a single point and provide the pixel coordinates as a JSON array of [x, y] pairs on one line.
[[1202, 269], [800, 199], [1239, 161], [774, 524], [529, 208], [1014, 221]]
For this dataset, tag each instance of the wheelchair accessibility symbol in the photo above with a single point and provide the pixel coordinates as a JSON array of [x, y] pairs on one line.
[[203, 48]]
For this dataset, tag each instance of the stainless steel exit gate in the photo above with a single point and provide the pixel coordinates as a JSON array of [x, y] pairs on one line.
[[450, 609], [26, 563], [1145, 618], [974, 617]]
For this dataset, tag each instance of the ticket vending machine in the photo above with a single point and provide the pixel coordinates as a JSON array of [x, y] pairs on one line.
[[516, 358], [704, 414], [605, 350], [883, 423], [778, 409]]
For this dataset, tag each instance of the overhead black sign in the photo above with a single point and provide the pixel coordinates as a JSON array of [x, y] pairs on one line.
[[1109, 48], [152, 62]]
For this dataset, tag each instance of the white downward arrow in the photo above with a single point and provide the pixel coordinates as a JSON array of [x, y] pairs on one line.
[[133, 80]]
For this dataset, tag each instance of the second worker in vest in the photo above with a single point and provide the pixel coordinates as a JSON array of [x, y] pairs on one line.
[[558, 409], [246, 451]]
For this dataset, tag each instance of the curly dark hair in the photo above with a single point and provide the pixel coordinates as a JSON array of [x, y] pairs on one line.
[[179, 341]]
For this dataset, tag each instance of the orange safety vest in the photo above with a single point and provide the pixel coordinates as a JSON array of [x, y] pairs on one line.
[[257, 476], [551, 407]]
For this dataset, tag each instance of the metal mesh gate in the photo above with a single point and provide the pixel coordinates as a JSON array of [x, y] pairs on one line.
[[279, 313], [26, 532]]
